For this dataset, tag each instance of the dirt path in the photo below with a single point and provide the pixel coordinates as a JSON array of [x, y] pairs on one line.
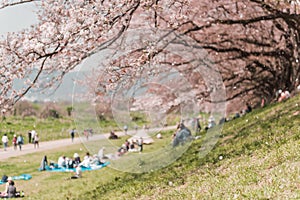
[[43, 146], [49, 145]]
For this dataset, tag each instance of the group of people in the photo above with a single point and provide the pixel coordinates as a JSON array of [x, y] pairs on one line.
[[16, 141], [88, 161], [248, 109], [71, 163], [131, 146], [88, 132], [283, 95], [212, 122], [33, 137], [65, 162]]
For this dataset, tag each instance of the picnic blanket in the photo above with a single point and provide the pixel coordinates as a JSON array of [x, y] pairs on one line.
[[64, 169], [20, 177]]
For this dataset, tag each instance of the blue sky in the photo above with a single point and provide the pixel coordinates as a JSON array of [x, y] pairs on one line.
[[17, 17]]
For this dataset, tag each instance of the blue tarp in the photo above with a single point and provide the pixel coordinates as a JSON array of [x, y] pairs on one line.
[[63, 169], [21, 177]]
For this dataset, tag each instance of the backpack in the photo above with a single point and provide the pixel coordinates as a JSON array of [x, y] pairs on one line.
[[4, 179]]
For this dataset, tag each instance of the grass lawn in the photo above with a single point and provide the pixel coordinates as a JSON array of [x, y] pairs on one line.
[[44, 184], [255, 157], [48, 129]]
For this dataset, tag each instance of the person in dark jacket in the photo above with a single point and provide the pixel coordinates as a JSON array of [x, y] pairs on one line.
[[11, 191]]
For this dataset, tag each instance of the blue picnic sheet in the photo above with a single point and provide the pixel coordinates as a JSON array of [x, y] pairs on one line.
[[20, 177], [63, 169]]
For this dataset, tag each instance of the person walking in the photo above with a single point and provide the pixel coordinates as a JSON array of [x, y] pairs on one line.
[[140, 144], [86, 134], [5, 141], [36, 140], [198, 126], [29, 137], [125, 129], [20, 141], [72, 133], [33, 133], [14, 141]]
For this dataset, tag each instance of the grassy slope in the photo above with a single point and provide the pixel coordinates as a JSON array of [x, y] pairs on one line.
[[256, 157]]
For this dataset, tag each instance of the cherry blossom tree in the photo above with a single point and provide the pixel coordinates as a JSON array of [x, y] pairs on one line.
[[254, 44]]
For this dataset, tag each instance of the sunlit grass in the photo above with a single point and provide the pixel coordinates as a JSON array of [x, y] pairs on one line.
[[255, 157]]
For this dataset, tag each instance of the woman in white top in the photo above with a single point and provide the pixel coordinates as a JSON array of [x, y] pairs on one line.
[[36, 140], [5, 141]]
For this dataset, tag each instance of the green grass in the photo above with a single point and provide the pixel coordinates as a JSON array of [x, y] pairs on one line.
[[255, 157], [48, 129], [51, 128]]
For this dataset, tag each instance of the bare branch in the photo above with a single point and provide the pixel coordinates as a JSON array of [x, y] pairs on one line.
[[16, 3]]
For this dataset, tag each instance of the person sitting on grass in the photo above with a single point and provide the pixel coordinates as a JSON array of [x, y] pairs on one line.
[[113, 136], [122, 150], [95, 161], [76, 159], [86, 160], [87, 156], [10, 189], [132, 146], [248, 108], [44, 164], [78, 172], [61, 161], [69, 163]]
